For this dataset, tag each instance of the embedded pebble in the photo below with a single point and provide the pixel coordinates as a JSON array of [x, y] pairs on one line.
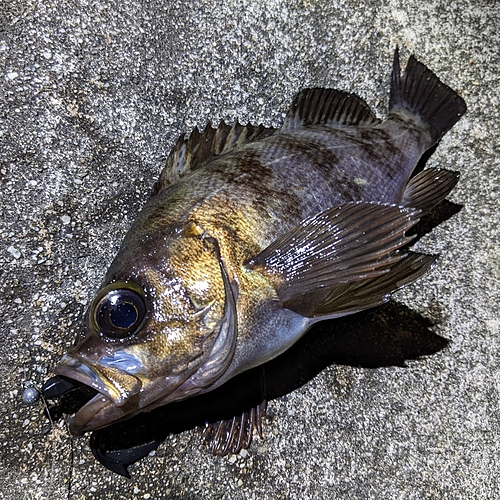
[[14, 252], [30, 395]]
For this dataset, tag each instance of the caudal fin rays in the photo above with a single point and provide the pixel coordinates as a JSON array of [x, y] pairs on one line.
[[420, 91]]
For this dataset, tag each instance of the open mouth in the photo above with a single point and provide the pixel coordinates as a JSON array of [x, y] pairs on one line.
[[87, 390], [65, 396]]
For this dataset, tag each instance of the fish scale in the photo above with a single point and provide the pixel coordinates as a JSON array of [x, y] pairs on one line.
[[251, 236]]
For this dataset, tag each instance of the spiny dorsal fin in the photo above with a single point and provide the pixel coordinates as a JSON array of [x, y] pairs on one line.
[[328, 107], [191, 152]]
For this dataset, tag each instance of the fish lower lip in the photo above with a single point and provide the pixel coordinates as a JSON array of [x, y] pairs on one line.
[[115, 387], [79, 423]]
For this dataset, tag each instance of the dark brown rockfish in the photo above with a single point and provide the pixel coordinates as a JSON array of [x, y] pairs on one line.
[[254, 234]]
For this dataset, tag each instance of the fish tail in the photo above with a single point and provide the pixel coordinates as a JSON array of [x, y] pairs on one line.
[[421, 92]]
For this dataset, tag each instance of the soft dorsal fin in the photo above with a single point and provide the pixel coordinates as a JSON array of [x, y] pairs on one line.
[[328, 107], [190, 152]]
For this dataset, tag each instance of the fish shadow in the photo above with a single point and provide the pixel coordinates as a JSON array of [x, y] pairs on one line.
[[388, 335], [444, 211]]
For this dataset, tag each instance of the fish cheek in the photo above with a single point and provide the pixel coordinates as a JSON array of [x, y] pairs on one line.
[[172, 352], [186, 302]]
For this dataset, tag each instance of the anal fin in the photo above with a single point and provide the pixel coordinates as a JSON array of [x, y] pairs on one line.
[[428, 188], [234, 435]]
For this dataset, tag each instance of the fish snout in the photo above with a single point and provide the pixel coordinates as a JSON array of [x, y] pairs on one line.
[[114, 383]]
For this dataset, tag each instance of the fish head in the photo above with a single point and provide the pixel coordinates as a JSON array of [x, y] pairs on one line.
[[161, 328]]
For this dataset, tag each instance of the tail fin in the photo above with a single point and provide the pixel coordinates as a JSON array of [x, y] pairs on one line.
[[420, 91]]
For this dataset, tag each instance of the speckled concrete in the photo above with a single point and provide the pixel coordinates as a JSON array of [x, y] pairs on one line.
[[94, 94]]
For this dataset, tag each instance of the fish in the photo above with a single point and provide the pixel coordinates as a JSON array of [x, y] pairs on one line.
[[254, 234]]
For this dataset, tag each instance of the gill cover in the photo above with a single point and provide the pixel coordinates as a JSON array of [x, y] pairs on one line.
[[221, 355]]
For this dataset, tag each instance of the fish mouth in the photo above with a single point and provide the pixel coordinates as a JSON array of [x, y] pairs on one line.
[[115, 390]]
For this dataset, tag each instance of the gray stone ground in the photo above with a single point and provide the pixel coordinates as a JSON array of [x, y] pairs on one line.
[[94, 94]]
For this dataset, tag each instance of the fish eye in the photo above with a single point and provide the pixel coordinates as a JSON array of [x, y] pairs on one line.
[[119, 312]]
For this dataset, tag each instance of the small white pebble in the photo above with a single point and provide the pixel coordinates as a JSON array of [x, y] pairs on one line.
[[360, 181], [14, 252], [30, 395]]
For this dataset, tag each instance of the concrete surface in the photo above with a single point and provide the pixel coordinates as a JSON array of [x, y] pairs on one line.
[[94, 94]]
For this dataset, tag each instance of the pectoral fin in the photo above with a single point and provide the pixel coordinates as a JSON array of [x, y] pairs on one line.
[[342, 260], [357, 296]]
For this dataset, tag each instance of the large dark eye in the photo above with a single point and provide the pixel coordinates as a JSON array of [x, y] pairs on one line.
[[119, 312]]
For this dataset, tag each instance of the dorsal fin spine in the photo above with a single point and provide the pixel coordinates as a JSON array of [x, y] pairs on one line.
[[191, 152]]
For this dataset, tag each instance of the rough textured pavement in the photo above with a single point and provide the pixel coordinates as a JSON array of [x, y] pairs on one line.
[[93, 96]]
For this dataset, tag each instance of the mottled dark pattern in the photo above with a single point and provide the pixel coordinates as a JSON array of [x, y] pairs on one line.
[[294, 175], [252, 236]]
